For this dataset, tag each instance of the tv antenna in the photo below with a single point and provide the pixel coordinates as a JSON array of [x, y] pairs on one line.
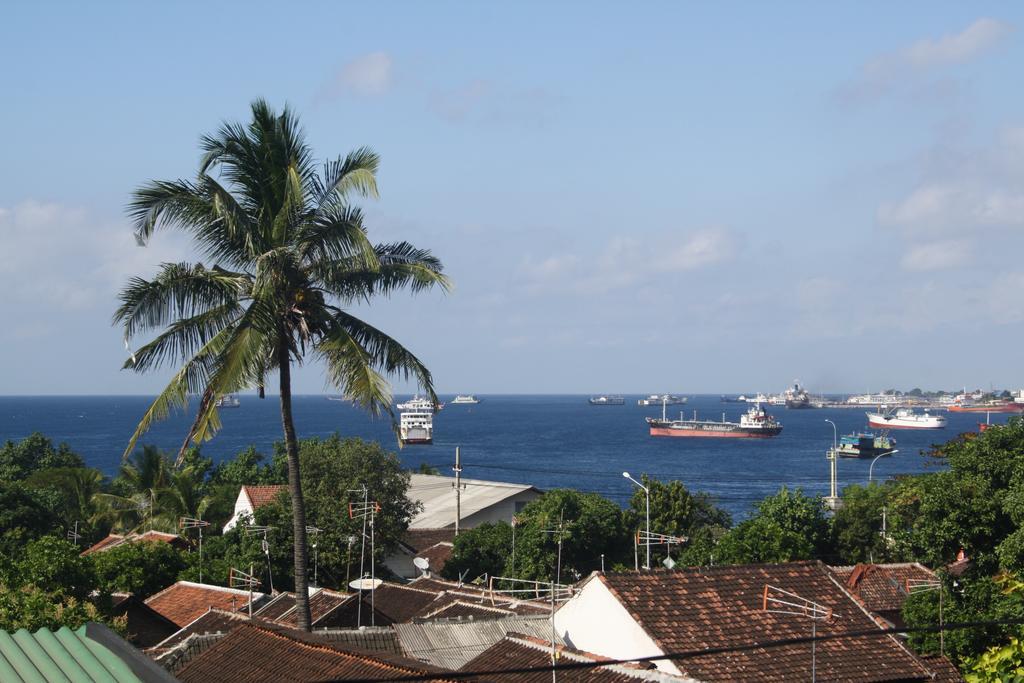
[[926, 586], [73, 534], [560, 532], [649, 539], [195, 523], [262, 532], [365, 510], [779, 601], [314, 531], [239, 579]]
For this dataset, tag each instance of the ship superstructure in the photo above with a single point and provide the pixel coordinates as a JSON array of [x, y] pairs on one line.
[[416, 427]]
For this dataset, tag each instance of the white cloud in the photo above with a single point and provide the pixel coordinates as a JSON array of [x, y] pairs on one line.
[[937, 255], [904, 69], [368, 75], [626, 261]]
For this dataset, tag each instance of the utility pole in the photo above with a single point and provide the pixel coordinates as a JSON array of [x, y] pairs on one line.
[[458, 489]]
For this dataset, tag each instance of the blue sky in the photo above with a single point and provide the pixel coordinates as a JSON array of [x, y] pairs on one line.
[[636, 198]]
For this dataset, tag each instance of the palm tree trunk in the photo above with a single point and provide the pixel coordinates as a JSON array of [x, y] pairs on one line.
[[291, 445]]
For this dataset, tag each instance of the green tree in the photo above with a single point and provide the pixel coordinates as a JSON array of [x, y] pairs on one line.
[[32, 608], [138, 568], [71, 492], [291, 254], [34, 452], [55, 566], [485, 549], [677, 512], [787, 526], [589, 526], [857, 525], [24, 516]]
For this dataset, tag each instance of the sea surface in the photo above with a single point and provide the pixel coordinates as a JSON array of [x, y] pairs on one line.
[[545, 440]]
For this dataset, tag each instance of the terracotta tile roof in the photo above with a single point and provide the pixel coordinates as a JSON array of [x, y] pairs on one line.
[[517, 651], [452, 643], [421, 539], [256, 653], [276, 607], [398, 603], [146, 627], [322, 603], [458, 608], [212, 621], [263, 495], [432, 583], [368, 638], [114, 540], [183, 601], [883, 587], [696, 608], [437, 555]]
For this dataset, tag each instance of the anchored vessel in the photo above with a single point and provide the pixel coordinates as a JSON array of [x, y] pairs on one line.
[[658, 399], [756, 423], [416, 427], [606, 400], [797, 397], [420, 404], [993, 407], [865, 445], [906, 418], [469, 399], [228, 401]]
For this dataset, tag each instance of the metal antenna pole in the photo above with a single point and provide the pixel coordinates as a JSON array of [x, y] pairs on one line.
[[512, 567], [251, 569], [362, 555], [458, 489], [373, 567]]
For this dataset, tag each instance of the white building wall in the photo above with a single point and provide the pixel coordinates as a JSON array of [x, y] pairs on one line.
[[243, 508], [595, 621], [499, 512]]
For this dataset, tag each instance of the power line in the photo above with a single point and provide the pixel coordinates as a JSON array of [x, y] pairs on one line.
[[693, 654]]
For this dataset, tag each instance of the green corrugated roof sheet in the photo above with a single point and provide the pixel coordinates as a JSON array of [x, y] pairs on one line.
[[67, 656]]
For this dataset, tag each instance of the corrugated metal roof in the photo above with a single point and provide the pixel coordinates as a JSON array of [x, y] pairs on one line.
[[91, 653], [438, 497], [451, 644]]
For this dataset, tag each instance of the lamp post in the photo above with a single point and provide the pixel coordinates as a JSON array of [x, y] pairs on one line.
[[872, 466], [835, 434], [647, 495]]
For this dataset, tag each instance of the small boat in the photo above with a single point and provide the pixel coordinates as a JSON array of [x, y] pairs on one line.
[[227, 401], [416, 403], [865, 445], [465, 399], [416, 427], [905, 418], [756, 423], [606, 400], [659, 399]]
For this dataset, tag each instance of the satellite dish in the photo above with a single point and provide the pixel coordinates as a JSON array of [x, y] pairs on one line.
[[421, 563], [364, 584]]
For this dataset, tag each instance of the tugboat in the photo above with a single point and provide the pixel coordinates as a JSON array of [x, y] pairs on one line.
[[756, 423], [606, 400], [865, 445], [905, 418]]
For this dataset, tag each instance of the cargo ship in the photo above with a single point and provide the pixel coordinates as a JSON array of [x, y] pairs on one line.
[[659, 399], [756, 423], [797, 397], [995, 407], [906, 418]]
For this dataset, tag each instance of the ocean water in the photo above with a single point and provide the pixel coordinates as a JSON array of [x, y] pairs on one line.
[[545, 440]]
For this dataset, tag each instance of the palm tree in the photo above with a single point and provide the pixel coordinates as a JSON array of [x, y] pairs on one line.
[[290, 254]]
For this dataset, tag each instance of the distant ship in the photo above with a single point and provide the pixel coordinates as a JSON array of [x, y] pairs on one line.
[[659, 399], [468, 399], [606, 400], [416, 427], [797, 397], [756, 423], [906, 418], [865, 445], [993, 407], [419, 404], [228, 401]]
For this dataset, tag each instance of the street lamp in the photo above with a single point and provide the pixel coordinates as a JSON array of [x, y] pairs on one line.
[[647, 494], [835, 434], [872, 466]]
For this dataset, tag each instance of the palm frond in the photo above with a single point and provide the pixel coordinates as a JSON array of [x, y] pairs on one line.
[[183, 338], [357, 172], [336, 235], [401, 266]]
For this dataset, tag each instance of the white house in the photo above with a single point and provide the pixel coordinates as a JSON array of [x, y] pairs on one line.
[[250, 498], [482, 501]]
